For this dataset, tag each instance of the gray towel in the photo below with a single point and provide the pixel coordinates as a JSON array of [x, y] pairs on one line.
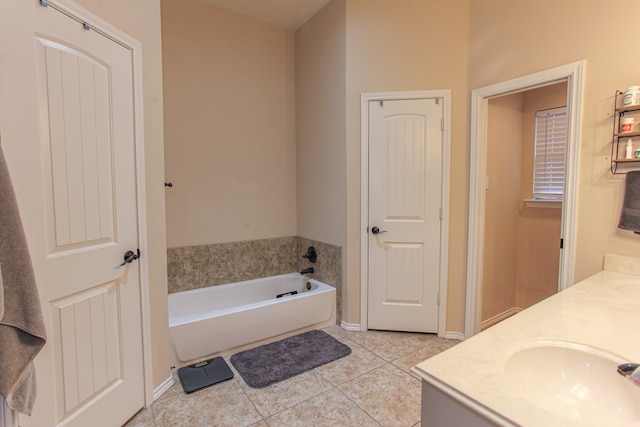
[[22, 331], [630, 216]]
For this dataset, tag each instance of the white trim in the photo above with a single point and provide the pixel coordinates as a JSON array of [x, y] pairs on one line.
[[365, 98], [499, 317], [574, 75], [162, 388], [543, 203], [136, 53], [350, 326], [454, 335]]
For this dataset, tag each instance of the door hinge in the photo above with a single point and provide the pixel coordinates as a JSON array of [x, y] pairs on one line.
[[438, 299], [561, 243], [440, 214], [442, 125]]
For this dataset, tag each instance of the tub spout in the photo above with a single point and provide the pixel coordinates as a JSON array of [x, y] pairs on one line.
[[307, 271]]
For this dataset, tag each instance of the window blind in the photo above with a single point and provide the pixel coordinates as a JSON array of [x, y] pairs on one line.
[[550, 152]]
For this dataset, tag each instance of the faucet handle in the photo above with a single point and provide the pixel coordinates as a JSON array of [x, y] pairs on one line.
[[311, 255]]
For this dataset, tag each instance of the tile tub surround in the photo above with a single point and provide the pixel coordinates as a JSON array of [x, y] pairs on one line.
[[370, 387], [194, 267], [328, 268], [593, 312]]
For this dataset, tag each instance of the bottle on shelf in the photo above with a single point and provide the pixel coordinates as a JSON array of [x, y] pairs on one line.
[[629, 150]]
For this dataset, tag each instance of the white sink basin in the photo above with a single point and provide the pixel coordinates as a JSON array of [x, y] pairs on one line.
[[574, 381]]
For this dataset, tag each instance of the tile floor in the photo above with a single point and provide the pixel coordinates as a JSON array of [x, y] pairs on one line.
[[371, 387]]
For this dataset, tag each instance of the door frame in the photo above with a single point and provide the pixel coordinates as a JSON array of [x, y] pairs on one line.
[[573, 73], [107, 30], [365, 98]]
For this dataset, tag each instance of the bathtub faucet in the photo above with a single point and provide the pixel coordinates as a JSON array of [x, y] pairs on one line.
[[307, 271], [311, 255]]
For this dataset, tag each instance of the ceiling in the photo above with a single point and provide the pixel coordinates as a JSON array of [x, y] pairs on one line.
[[290, 14]]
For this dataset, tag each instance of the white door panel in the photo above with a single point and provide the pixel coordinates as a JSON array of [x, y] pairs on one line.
[[66, 114], [405, 155]]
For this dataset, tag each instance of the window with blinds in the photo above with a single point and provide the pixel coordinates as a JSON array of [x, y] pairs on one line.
[[550, 151]]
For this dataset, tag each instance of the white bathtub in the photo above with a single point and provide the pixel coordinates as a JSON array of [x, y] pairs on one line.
[[219, 318]]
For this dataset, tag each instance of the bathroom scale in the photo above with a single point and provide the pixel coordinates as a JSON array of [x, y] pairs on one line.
[[204, 374]]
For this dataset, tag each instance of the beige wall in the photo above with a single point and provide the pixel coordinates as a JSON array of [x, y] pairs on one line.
[[141, 20], [320, 127], [504, 163], [409, 45], [229, 126], [506, 42]]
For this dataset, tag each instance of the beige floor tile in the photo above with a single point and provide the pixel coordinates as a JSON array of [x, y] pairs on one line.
[[391, 345], [412, 359], [328, 409], [283, 395], [336, 331], [359, 362], [361, 389], [442, 344], [387, 394], [144, 418], [223, 404]]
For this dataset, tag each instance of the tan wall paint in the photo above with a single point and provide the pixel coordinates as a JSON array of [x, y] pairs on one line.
[[320, 126], [506, 42], [409, 45], [141, 20], [320, 129], [504, 146], [539, 228], [229, 126]]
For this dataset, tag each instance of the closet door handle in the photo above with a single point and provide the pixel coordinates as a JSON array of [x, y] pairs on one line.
[[130, 256], [376, 230]]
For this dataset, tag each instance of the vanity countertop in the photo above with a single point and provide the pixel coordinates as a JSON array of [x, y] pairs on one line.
[[602, 311]]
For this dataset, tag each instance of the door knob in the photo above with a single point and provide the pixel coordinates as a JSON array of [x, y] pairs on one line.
[[130, 256], [376, 230]]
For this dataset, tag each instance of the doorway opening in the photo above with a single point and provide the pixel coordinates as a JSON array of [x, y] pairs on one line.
[[570, 75], [523, 209]]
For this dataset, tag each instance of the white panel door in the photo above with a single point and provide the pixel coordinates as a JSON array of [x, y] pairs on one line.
[[405, 162], [67, 115]]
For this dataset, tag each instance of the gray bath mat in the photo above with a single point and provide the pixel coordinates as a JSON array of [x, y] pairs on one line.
[[275, 362]]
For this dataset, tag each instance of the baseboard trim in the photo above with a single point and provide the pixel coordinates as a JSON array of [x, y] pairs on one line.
[[499, 317], [166, 385], [454, 335], [350, 326]]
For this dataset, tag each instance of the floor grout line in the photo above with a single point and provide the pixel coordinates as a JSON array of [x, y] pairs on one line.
[[377, 346]]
